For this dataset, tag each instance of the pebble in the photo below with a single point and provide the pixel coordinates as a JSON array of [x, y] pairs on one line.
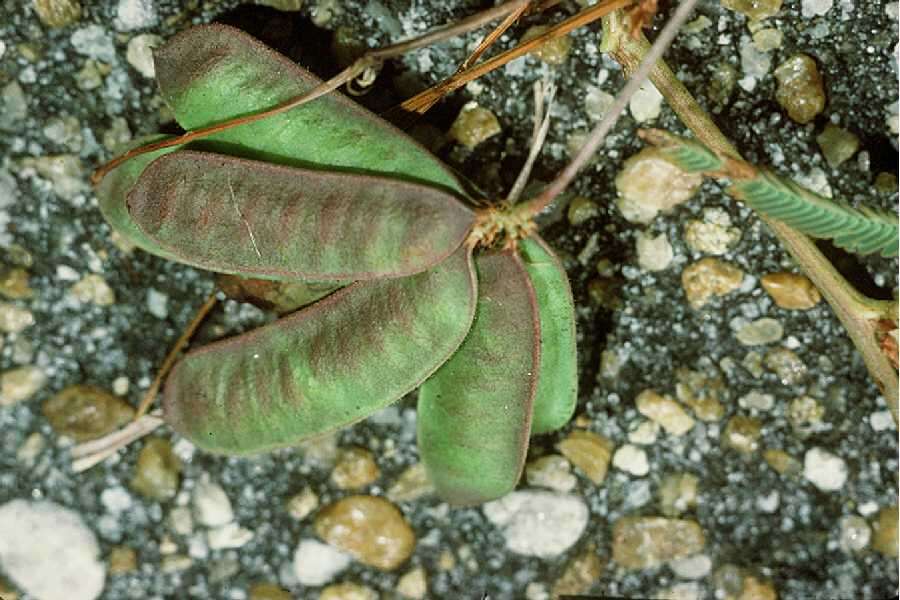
[[701, 393], [815, 8], [348, 591], [174, 563], [767, 39], [301, 505], [57, 13], [838, 145], [782, 462], [786, 365], [30, 449], [368, 527], [552, 471], [755, 9], [654, 253], [538, 523], [697, 566], [321, 451], [643, 542], [64, 171], [646, 103], [93, 289], [84, 412], [581, 210], [15, 105], [14, 319], [882, 421], [805, 414], [678, 493], [94, 42], [649, 184], [597, 102], [855, 533], [14, 284], [413, 584], [800, 89], [135, 14], [268, 591], [589, 452], [122, 559], [756, 589], [791, 291], [139, 53], [316, 563], [709, 277], [474, 125], [757, 401], [412, 484], [157, 303], [20, 384], [580, 573], [211, 505], [631, 459], [824, 470], [157, 470], [761, 331], [230, 535], [181, 521], [49, 552], [884, 539], [664, 411], [90, 76], [552, 52], [742, 434], [117, 134], [355, 468], [710, 238], [644, 434]]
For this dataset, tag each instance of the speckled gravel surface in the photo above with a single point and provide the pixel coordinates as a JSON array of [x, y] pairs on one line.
[[765, 463]]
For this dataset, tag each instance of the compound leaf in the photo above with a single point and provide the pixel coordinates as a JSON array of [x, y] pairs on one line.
[[557, 388], [474, 414], [213, 73], [325, 366], [234, 215]]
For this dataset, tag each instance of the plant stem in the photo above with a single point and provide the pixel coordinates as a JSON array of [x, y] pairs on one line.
[[857, 312]]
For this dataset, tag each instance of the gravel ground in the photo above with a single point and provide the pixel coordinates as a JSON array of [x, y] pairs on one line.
[[737, 519]]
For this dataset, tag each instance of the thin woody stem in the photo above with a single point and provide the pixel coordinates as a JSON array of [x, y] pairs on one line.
[[598, 135], [368, 60]]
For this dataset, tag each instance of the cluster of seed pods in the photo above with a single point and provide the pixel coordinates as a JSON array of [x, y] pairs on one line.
[[331, 193]]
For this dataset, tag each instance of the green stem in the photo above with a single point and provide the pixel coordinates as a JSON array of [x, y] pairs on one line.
[[857, 312]]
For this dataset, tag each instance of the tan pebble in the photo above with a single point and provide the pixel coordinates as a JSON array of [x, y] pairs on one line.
[[412, 484], [57, 13], [348, 591], [14, 284], [552, 471], [93, 289], [643, 542], [767, 39], [299, 506], [413, 584], [728, 581], [791, 291], [761, 331], [268, 591], [580, 573], [701, 393], [837, 144], [321, 451], [368, 527], [755, 9], [588, 451], [157, 470], [122, 559], [709, 277], [665, 411], [552, 52], [800, 89], [678, 493], [710, 238], [782, 462], [653, 253], [474, 125], [355, 468], [756, 589], [884, 538], [446, 561], [805, 414], [84, 412], [649, 184], [581, 210], [742, 434], [30, 449], [14, 319], [644, 434], [20, 384], [173, 563], [786, 365]]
